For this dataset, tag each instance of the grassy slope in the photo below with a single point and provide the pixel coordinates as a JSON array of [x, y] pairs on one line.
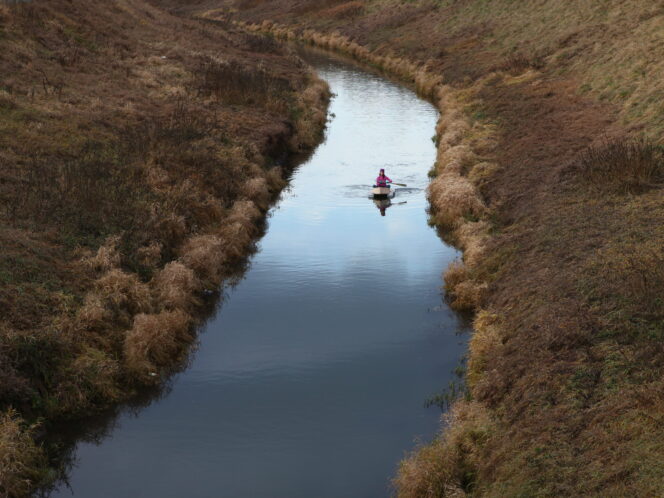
[[138, 154], [565, 368]]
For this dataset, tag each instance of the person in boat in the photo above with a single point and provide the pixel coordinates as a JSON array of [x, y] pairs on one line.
[[382, 180]]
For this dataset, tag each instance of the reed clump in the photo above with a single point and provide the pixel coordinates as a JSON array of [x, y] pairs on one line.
[[21, 460], [238, 84], [448, 466], [204, 254], [123, 295], [176, 287], [484, 347], [623, 165], [154, 341]]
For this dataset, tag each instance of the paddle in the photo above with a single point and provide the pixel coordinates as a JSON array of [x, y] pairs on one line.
[[400, 184]]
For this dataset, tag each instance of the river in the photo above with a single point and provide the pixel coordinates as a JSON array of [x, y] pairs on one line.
[[310, 381]]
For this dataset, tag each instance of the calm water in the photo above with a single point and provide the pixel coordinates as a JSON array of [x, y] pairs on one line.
[[310, 381]]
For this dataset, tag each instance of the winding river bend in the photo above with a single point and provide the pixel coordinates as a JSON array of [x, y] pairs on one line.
[[310, 381]]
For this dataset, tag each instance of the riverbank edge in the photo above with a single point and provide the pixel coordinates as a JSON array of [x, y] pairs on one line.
[[458, 210], [205, 261]]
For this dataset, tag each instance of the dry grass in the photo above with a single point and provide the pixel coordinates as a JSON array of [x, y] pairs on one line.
[[123, 295], [175, 287], [484, 345], [135, 153], [447, 467], [107, 256], [205, 255], [624, 165], [19, 457], [155, 341]]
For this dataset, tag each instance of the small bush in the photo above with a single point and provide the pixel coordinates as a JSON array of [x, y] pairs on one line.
[[454, 200], [464, 293], [262, 43], [623, 165]]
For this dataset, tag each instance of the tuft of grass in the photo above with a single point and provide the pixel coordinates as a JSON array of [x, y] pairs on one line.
[[22, 462], [176, 286], [205, 255], [238, 84], [448, 466], [624, 165], [122, 295], [156, 342]]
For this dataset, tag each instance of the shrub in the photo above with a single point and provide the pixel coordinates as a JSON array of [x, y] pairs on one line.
[[517, 63], [484, 344], [258, 191], [454, 199], [465, 293]]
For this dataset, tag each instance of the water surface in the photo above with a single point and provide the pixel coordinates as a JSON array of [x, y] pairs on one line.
[[310, 381]]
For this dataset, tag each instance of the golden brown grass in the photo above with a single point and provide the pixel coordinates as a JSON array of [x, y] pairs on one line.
[[155, 341], [19, 457], [205, 255], [446, 467], [175, 287]]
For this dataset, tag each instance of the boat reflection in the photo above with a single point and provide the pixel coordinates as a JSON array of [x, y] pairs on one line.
[[382, 205]]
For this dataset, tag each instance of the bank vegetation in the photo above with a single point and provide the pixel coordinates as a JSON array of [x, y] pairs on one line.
[[550, 176], [139, 153]]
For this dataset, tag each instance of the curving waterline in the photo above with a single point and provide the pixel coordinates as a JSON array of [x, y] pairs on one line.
[[312, 378]]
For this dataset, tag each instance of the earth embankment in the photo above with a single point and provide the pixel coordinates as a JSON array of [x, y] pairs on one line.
[[139, 153]]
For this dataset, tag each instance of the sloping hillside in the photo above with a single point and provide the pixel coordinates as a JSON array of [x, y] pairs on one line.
[[553, 115], [138, 155]]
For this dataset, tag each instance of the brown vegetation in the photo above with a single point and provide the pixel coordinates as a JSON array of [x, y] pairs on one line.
[[137, 159], [549, 178]]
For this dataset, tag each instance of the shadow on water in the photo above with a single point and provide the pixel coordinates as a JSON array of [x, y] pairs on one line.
[[60, 439], [323, 347]]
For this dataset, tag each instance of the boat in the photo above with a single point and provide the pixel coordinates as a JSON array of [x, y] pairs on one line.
[[382, 192]]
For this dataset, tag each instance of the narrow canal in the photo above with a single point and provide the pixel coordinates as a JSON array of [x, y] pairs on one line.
[[310, 381]]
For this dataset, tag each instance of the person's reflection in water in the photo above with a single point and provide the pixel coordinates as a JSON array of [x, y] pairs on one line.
[[382, 205]]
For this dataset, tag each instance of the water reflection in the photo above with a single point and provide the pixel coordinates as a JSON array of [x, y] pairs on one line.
[[311, 379]]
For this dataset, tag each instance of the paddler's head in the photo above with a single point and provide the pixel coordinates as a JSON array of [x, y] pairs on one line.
[[382, 172]]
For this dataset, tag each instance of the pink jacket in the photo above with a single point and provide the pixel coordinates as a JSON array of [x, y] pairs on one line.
[[382, 181]]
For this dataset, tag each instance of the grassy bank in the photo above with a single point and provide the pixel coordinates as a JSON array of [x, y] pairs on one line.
[[550, 176], [139, 153]]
